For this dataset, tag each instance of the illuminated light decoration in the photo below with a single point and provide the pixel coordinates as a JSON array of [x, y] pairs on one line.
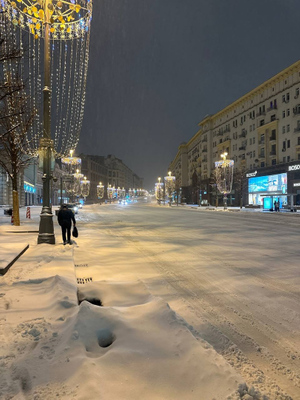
[[100, 191], [224, 176], [70, 183], [68, 23], [110, 192], [159, 190], [77, 179], [170, 186], [85, 187]]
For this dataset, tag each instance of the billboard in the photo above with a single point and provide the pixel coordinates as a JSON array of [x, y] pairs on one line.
[[268, 184]]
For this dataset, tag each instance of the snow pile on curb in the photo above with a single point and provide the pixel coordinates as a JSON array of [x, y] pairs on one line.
[[126, 345]]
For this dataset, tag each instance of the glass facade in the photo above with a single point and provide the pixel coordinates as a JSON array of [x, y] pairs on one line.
[[264, 190]]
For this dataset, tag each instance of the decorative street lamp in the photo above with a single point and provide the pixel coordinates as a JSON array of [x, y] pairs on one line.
[[60, 29], [110, 192], [170, 186], [159, 188], [100, 191], [224, 176], [85, 187], [77, 179], [69, 179]]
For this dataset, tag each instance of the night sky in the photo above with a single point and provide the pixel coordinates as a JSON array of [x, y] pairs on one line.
[[157, 67]]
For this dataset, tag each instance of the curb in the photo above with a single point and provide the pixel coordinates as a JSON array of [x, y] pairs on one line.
[[4, 270]]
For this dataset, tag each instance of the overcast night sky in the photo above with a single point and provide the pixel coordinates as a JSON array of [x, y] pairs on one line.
[[157, 67]]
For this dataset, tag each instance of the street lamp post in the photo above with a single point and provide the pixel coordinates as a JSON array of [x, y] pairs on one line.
[[158, 190], [224, 176], [46, 230], [170, 186], [100, 191]]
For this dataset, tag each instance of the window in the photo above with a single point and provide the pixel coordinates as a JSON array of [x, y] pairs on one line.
[[288, 158], [254, 140], [250, 141], [297, 93], [274, 161], [283, 114], [288, 127], [287, 112], [298, 140], [262, 164], [273, 117], [287, 97], [283, 129], [284, 159], [288, 144], [284, 145], [262, 152], [250, 128], [298, 157], [283, 98], [261, 122], [254, 153]]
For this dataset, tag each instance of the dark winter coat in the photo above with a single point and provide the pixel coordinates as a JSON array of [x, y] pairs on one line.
[[65, 217]]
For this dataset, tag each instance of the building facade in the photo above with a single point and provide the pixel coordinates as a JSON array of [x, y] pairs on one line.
[[260, 131]]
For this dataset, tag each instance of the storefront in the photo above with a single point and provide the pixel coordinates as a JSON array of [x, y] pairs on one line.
[[278, 184], [30, 191]]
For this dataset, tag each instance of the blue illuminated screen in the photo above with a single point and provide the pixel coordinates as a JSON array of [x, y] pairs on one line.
[[268, 183]]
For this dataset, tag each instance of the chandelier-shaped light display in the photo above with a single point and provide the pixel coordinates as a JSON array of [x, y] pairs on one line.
[[100, 191], [159, 190], [169, 184], [85, 187], [77, 179], [67, 24], [224, 174]]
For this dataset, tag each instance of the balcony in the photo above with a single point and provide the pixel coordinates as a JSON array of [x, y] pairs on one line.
[[272, 153], [261, 142], [297, 129], [272, 138], [271, 108], [242, 148], [296, 110], [259, 114], [204, 151], [243, 134]]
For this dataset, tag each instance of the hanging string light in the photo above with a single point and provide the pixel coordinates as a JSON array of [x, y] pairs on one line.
[[69, 34]]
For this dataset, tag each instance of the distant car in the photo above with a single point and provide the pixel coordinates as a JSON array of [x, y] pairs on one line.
[[72, 206]]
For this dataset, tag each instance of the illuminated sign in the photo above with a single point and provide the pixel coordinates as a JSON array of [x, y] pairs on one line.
[[251, 174], [268, 183], [296, 184], [294, 167], [29, 188]]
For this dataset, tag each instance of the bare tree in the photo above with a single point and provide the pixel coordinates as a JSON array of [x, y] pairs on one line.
[[16, 113], [240, 182]]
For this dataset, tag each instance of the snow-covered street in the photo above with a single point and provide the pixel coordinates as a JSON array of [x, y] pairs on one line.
[[232, 279]]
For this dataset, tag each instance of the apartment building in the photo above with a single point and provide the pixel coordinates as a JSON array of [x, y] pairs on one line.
[[260, 131]]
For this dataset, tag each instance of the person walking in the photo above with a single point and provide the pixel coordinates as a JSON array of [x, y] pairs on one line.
[[65, 218]]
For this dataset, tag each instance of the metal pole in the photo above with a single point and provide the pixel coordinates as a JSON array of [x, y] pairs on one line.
[[46, 230]]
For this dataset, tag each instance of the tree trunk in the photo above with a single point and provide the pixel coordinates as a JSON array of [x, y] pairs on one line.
[[16, 210]]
